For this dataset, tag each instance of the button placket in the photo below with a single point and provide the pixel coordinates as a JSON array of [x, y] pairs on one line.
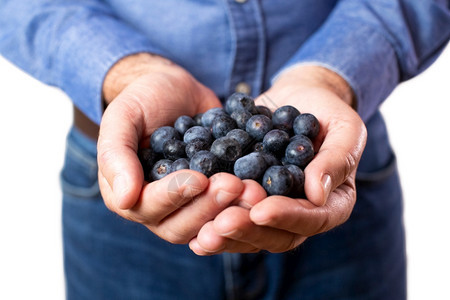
[[246, 76]]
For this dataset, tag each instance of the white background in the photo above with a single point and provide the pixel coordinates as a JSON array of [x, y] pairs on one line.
[[34, 119]]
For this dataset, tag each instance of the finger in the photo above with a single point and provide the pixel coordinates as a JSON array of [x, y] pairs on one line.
[[234, 223], [336, 160], [162, 197], [252, 193], [183, 224], [117, 159], [301, 216], [208, 242]]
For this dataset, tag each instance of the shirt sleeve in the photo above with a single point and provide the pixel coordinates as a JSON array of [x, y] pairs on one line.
[[70, 44], [376, 44]]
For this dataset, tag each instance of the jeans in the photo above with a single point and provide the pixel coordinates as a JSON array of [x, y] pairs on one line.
[[107, 257]]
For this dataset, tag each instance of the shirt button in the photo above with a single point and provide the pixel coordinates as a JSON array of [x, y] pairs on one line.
[[240, 1], [243, 87]]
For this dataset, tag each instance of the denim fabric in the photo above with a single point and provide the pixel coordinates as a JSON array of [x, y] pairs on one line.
[[374, 44], [107, 257]]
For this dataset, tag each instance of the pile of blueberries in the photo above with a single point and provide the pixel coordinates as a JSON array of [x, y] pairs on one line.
[[243, 139]]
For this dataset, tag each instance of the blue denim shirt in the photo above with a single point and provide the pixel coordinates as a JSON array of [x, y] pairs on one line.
[[373, 44]]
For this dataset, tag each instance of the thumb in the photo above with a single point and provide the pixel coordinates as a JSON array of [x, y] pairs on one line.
[[336, 161], [117, 159]]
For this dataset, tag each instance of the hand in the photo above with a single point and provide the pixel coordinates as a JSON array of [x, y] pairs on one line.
[[278, 223], [144, 92]]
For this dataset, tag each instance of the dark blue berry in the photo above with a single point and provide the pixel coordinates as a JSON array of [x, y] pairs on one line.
[[179, 164], [160, 136], [226, 149], [250, 166], [284, 117], [147, 158], [258, 147], [277, 180], [174, 149], [299, 181], [210, 114], [197, 132], [242, 137], [270, 159], [221, 125], [258, 126], [306, 124], [198, 119], [264, 110], [241, 116], [204, 162], [299, 152], [195, 146], [300, 137], [160, 169], [275, 141], [183, 123], [240, 101]]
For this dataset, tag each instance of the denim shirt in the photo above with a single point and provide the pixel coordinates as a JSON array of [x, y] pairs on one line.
[[373, 44]]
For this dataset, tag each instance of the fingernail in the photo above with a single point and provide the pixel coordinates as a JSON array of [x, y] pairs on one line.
[[224, 198], [235, 233], [326, 184], [119, 188]]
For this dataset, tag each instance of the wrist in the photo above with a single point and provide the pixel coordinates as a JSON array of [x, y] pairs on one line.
[[128, 69], [317, 76]]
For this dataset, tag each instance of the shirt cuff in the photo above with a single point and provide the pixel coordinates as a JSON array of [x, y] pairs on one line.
[[86, 54], [359, 54]]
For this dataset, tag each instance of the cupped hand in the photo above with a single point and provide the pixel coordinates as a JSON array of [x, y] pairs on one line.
[[143, 93], [279, 223]]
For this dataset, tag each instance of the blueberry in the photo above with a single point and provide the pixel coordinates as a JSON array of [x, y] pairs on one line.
[[197, 132], [183, 123], [299, 152], [147, 158], [258, 147], [242, 137], [160, 169], [299, 137], [240, 101], [241, 116], [226, 149], [250, 166], [198, 119], [204, 162], [221, 125], [161, 135], [277, 180], [179, 164], [264, 110], [283, 117], [195, 146], [306, 124], [210, 114], [275, 141], [258, 126], [299, 181], [174, 149], [270, 159]]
